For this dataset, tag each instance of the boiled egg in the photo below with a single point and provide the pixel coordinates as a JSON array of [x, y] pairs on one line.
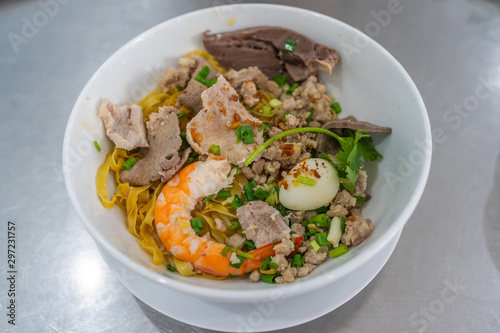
[[311, 184]]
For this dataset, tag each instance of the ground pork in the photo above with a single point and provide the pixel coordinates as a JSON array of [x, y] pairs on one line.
[[360, 186], [305, 269], [178, 77], [255, 276], [313, 257], [345, 199], [236, 241], [285, 247], [298, 229], [356, 231]]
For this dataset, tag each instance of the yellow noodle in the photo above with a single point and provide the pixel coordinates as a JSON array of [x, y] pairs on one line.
[[183, 268]]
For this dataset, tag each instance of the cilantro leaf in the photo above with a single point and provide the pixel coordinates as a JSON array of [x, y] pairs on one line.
[[367, 150]]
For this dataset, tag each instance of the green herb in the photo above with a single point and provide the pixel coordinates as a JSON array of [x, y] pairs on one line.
[[336, 107], [223, 194], [181, 88], [210, 197], [268, 263], [321, 239], [290, 45], [268, 278], [342, 224], [129, 163], [225, 250], [337, 252], [308, 234], [275, 102], [314, 244], [250, 244], [319, 220], [261, 194], [248, 194], [212, 81], [237, 202], [197, 224], [246, 107], [237, 265], [306, 181], [231, 276], [244, 254], [171, 267], [261, 127], [271, 200], [305, 223], [314, 153], [96, 144], [323, 209], [234, 225], [281, 80], [292, 88], [360, 200], [215, 149], [202, 75], [181, 115], [284, 116], [282, 210], [245, 134], [298, 260], [310, 116], [266, 110]]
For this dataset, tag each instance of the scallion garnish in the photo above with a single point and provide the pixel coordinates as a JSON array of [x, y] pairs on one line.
[[314, 244], [337, 252], [181, 88], [245, 134], [290, 45], [271, 200], [308, 120], [237, 202], [321, 239], [237, 265], [129, 163], [261, 194], [266, 110], [202, 77], [305, 223], [212, 81], [215, 149], [223, 194], [359, 199], [262, 127], [336, 107], [210, 197], [275, 103], [292, 88], [250, 245], [281, 80], [298, 260], [323, 209], [181, 115], [234, 225], [281, 208], [197, 224], [248, 194], [268, 278], [225, 250], [342, 224], [306, 181], [96, 144], [319, 220], [171, 267]]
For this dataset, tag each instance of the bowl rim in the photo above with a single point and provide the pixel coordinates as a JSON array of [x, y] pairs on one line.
[[250, 295]]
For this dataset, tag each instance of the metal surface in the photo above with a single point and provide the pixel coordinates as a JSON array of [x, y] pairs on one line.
[[444, 275]]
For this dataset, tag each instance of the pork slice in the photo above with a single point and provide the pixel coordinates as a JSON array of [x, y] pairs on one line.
[[123, 125], [191, 96], [262, 223], [252, 73], [215, 125], [265, 47], [162, 160]]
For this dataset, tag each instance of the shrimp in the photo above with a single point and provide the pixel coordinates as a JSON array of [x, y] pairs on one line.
[[173, 214]]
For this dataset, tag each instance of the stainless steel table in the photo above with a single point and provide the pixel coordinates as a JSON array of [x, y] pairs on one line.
[[444, 275]]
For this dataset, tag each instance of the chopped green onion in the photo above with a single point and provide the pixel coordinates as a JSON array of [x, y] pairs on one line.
[[305, 223], [342, 224], [231, 276], [181, 115], [314, 153], [270, 200], [181, 88], [337, 252], [210, 197], [323, 209], [237, 265], [281, 208], [292, 131], [96, 144], [250, 244], [248, 194], [245, 134], [225, 250], [183, 136], [314, 245], [171, 267], [244, 254], [215, 149], [336, 107], [290, 45], [273, 265], [298, 260], [237, 202], [268, 278], [262, 127], [129, 163], [292, 88], [197, 224], [308, 235], [275, 103], [223, 194], [266, 263], [202, 76], [308, 120], [266, 110], [306, 181], [234, 225], [212, 81], [204, 72], [321, 239], [319, 220], [360, 200], [281, 80], [261, 194]]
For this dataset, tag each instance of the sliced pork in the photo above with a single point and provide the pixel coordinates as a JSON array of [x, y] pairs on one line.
[[124, 125], [162, 160], [191, 96]]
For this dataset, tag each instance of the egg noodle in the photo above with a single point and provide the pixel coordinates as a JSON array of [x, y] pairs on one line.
[[138, 202]]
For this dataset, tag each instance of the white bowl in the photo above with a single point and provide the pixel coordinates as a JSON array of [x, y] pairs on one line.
[[369, 83]]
